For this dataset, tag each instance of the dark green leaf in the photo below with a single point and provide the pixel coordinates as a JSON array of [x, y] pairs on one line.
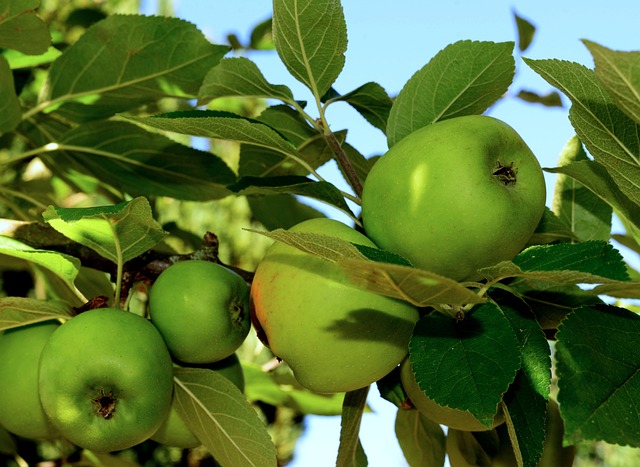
[[550, 99], [598, 362], [215, 410], [22, 29], [607, 132], [383, 256], [142, 163], [526, 31], [239, 76], [124, 61], [281, 211], [350, 452], [422, 441], [588, 216], [619, 72], [118, 233], [593, 257], [551, 229], [466, 365], [302, 186], [372, 101], [311, 39], [464, 78], [10, 111]]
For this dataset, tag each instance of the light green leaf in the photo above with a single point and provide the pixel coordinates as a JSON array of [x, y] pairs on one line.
[[619, 72], [588, 216], [22, 29], [138, 162], [239, 76], [464, 78], [311, 39], [63, 266], [421, 440], [10, 110], [350, 452], [20, 311], [598, 362], [594, 176], [118, 233], [466, 365], [421, 288], [607, 132], [124, 61], [222, 419], [18, 60]]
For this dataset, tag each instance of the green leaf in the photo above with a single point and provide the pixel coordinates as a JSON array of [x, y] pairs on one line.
[[550, 99], [224, 125], [466, 365], [281, 211], [594, 257], [215, 410], [18, 60], [7, 443], [526, 32], [350, 452], [619, 72], [527, 397], [551, 229], [311, 39], [371, 101], [239, 76], [322, 191], [422, 288], [421, 440], [63, 266], [10, 110], [594, 176], [22, 29], [262, 36], [123, 61], [464, 78], [118, 233], [607, 132], [598, 362], [588, 216], [142, 163], [20, 311]]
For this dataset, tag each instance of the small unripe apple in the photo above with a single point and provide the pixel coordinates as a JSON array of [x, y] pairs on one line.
[[335, 336], [455, 196]]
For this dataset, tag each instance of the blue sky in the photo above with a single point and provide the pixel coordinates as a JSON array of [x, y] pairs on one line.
[[388, 42]]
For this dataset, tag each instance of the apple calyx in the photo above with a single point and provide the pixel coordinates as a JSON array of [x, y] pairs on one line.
[[105, 404], [505, 174]]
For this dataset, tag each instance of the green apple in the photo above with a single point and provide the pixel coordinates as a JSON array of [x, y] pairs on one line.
[[173, 431], [20, 409], [335, 336], [453, 418], [201, 309], [106, 379], [455, 196]]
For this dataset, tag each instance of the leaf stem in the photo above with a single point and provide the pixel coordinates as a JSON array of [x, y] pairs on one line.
[[119, 263]]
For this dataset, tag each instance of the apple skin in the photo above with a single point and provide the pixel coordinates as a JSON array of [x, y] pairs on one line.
[[433, 197], [453, 418], [201, 309], [20, 409], [334, 336], [106, 379], [173, 431]]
